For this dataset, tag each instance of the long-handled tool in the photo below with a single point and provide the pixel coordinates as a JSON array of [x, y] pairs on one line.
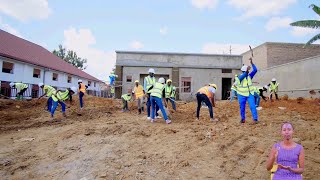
[[251, 51]]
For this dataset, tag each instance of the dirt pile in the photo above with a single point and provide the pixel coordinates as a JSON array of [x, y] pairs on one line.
[[104, 143]]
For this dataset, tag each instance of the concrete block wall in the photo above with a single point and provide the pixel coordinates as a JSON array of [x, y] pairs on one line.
[[296, 78], [272, 54], [200, 77], [281, 53], [181, 59], [259, 56]]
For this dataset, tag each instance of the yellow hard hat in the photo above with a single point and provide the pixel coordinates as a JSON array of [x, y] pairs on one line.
[[213, 85], [169, 80], [136, 81]]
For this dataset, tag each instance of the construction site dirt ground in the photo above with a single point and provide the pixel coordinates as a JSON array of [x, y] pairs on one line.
[[104, 143]]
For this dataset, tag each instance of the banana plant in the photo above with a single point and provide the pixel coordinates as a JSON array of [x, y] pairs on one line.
[[315, 24]]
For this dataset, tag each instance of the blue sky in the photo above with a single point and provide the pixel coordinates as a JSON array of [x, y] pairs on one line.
[[96, 28]]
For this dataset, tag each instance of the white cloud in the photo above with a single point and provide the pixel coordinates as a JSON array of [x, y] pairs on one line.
[[299, 31], [164, 31], [100, 63], [24, 10], [278, 22], [203, 4], [215, 48], [254, 8], [9, 28], [136, 45]]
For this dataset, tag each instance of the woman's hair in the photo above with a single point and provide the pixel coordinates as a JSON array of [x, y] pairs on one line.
[[287, 122]]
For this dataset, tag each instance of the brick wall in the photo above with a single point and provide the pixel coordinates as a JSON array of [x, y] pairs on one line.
[[281, 53]]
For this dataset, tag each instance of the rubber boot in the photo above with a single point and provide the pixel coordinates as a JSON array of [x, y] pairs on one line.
[[139, 111], [142, 109]]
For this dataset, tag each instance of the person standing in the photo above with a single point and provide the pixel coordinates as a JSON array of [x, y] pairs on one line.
[[21, 88], [246, 92], [170, 93], [157, 97], [287, 156], [206, 94], [234, 89], [47, 91], [139, 94], [148, 83], [273, 88], [82, 91]]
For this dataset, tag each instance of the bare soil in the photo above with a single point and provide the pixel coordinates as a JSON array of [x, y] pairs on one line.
[[104, 143]]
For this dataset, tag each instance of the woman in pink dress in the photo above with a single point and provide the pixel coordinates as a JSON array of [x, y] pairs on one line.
[[288, 155]]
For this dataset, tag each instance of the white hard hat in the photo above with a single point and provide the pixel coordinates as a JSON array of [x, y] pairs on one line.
[[74, 89], [273, 79], [161, 80], [80, 81], [151, 71], [11, 84], [174, 88], [40, 84], [244, 68]]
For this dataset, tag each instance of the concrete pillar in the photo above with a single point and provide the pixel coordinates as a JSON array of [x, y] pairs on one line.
[[175, 80], [118, 90]]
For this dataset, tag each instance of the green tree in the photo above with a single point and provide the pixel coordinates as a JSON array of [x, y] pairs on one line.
[[70, 57], [315, 24]]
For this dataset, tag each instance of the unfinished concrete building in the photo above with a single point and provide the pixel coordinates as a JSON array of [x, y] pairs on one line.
[[296, 68], [188, 71]]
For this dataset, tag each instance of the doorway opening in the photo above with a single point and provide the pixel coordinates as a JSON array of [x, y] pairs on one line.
[[226, 86]]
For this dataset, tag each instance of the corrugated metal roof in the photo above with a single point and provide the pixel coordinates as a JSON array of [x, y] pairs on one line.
[[22, 50]]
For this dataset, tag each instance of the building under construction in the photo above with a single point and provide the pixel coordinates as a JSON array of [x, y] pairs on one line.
[[296, 68], [188, 71]]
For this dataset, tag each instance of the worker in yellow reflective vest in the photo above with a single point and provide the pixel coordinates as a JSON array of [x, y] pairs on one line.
[[273, 88], [246, 92], [21, 88], [234, 88], [206, 94], [125, 99], [157, 97], [148, 83], [170, 93], [139, 94], [82, 91], [47, 91], [59, 97]]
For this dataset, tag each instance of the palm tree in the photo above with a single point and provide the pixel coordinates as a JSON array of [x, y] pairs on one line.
[[315, 24]]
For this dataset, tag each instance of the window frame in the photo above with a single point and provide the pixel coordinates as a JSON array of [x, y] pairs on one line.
[[70, 79], [57, 78], [34, 73], [186, 80], [11, 71], [130, 78]]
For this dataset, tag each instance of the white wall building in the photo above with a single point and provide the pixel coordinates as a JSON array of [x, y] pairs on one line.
[[26, 62]]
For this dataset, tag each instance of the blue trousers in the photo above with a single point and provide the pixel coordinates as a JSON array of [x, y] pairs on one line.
[[155, 101], [81, 94], [203, 98], [172, 102], [242, 102], [257, 99], [233, 93], [49, 104], [55, 105], [149, 106]]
